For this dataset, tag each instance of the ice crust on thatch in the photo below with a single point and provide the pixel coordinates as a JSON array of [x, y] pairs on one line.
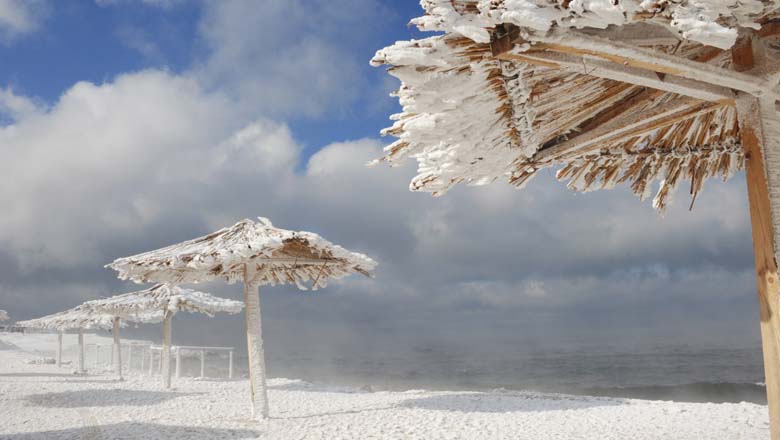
[[470, 116], [165, 297], [446, 81], [711, 22], [86, 318], [280, 256]]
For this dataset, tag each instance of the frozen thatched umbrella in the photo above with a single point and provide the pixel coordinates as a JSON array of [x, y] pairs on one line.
[[83, 318], [610, 91], [3, 315], [256, 253], [165, 300]]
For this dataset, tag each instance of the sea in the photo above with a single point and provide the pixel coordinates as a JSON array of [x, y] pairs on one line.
[[667, 372]]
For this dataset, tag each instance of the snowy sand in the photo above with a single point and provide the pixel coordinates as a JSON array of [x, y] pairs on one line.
[[42, 401]]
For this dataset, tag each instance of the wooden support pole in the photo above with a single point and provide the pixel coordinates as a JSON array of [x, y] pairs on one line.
[[762, 148], [165, 354], [230, 364], [178, 362], [761, 219], [81, 351], [202, 364], [151, 361], [117, 349], [59, 349], [258, 394], [129, 358]]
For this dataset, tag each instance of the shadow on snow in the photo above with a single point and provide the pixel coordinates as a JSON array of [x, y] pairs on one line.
[[131, 430], [507, 403], [92, 398], [38, 375], [483, 403]]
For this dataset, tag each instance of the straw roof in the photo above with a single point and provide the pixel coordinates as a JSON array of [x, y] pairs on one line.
[[3, 315], [515, 86], [87, 318], [711, 22], [165, 297], [281, 256]]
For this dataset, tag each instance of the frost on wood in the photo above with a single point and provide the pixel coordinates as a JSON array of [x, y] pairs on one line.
[[447, 81], [258, 392], [474, 112], [163, 301], [255, 253], [165, 298], [83, 317], [289, 257], [712, 22]]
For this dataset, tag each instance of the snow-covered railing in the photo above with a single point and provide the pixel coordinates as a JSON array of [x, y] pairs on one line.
[[11, 329], [178, 349], [131, 349]]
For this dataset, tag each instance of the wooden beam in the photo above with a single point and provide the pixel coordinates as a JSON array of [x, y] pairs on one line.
[[742, 55], [626, 127], [570, 41], [609, 70], [640, 33], [634, 101], [770, 29], [624, 107], [504, 39], [573, 120]]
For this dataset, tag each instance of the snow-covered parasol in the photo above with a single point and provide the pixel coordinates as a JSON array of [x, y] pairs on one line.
[[256, 253], [609, 91], [86, 318], [165, 300]]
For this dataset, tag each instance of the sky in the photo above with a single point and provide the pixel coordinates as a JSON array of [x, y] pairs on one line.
[[129, 125]]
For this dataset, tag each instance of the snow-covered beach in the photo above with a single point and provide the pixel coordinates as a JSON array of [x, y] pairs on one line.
[[42, 401]]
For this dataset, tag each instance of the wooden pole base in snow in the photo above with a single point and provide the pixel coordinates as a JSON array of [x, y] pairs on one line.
[[258, 394], [165, 353]]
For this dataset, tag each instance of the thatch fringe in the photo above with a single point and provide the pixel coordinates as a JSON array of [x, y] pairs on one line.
[[640, 169]]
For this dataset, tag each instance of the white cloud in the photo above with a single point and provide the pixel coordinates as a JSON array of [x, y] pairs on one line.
[[19, 17], [139, 40], [109, 168], [87, 169], [107, 163], [286, 57], [13, 106], [165, 4]]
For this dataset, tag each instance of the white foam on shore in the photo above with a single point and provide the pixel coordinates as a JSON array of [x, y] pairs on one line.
[[41, 401]]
